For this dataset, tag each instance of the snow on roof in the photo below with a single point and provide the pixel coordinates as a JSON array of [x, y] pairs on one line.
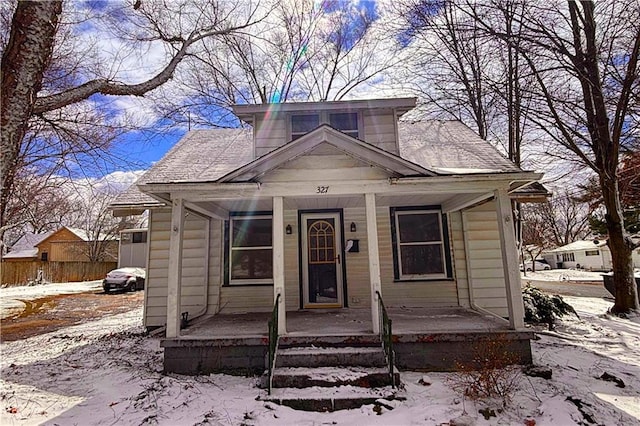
[[21, 253], [25, 247], [580, 245], [450, 147], [447, 147]]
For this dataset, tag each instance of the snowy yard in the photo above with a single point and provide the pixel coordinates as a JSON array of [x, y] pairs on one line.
[[106, 372]]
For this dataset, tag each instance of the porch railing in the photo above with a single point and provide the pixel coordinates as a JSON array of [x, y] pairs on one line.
[[273, 341], [386, 336]]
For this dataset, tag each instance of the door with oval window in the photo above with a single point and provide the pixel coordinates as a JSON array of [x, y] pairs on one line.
[[321, 260]]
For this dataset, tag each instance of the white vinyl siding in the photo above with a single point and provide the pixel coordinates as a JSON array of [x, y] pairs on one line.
[[193, 266], [269, 133], [313, 168], [485, 273], [379, 129]]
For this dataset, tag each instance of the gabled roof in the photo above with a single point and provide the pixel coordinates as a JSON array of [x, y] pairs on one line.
[[25, 247], [325, 134], [581, 245], [435, 147]]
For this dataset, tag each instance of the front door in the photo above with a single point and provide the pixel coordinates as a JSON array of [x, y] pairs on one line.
[[321, 260]]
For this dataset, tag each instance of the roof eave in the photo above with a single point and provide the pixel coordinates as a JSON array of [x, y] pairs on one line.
[[401, 105]]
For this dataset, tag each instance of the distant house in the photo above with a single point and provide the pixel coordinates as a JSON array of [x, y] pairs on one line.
[[69, 244], [25, 249], [326, 210], [592, 255], [59, 256], [66, 244]]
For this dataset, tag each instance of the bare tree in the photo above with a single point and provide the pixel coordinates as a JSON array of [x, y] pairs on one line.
[[584, 58], [40, 92], [100, 228], [304, 50], [39, 204]]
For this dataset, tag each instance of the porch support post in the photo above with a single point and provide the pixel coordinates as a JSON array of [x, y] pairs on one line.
[[509, 259], [278, 262], [374, 259], [174, 280]]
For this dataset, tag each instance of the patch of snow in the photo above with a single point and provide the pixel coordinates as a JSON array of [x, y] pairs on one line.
[[563, 275], [108, 372]]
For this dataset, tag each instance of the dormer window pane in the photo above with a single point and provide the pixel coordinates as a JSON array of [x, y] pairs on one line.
[[303, 124], [346, 122]]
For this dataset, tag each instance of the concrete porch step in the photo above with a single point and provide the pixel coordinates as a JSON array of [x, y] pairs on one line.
[[336, 398], [303, 377], [330, 357], [292, 340]]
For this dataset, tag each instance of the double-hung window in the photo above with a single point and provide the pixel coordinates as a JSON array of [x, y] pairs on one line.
[[346, 122], [250, 250], [420, 246]]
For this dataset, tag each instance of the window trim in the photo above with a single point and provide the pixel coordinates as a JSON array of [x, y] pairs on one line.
[[323, 118], [228, 282], [590, 253], [444, 244]]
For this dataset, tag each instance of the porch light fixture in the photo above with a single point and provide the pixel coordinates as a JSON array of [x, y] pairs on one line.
[[288, 230], [353, 227]]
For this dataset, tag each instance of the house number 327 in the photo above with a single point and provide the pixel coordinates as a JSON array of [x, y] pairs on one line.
[[322, 189]]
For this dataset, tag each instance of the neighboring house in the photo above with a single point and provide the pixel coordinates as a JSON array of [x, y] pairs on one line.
[[25, 249], [325, 209], [65, 244], [58, 256], [592, 255], [132, 250], [69, 244]]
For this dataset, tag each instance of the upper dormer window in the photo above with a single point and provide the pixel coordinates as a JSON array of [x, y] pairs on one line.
[[303, 124], [346, 122]]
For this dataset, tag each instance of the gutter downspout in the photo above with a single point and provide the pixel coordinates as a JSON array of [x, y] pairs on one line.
[[207, 241], [472, 302]]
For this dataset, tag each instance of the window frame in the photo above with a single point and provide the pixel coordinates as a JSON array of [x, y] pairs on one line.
[[444, 244], [324, 117], [228, 249], [590, 253]]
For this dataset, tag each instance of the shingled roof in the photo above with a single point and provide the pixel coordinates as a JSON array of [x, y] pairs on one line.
[[445, 147]]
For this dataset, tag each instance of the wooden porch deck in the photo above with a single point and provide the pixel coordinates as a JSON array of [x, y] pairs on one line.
[[346, 322]]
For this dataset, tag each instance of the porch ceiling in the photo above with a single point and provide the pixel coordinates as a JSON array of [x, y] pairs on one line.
[[342, 202]]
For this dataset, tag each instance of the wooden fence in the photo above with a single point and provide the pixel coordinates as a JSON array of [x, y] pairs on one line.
[[17, 273]]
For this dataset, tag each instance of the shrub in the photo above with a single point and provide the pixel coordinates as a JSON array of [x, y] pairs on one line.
[[490, 374], [542, 308]]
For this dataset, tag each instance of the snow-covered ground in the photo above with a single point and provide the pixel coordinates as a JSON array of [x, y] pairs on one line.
[[563, 275], [106, 372]]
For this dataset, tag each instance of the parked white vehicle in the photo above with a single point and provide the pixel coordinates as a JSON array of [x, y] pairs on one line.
[[539, 266]]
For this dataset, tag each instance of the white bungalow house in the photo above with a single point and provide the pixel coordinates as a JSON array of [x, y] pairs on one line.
[[592, 255], [318, 213]]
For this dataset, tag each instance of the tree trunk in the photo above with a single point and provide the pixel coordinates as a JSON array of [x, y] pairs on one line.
[[33, 30], [626, 297]]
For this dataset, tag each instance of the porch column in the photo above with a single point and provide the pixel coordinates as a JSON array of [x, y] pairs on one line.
[[278, 262], [174, 279], [374, 259], [509, 259]]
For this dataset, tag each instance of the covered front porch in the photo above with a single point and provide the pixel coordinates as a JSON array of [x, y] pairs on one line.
[[370, 274]]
